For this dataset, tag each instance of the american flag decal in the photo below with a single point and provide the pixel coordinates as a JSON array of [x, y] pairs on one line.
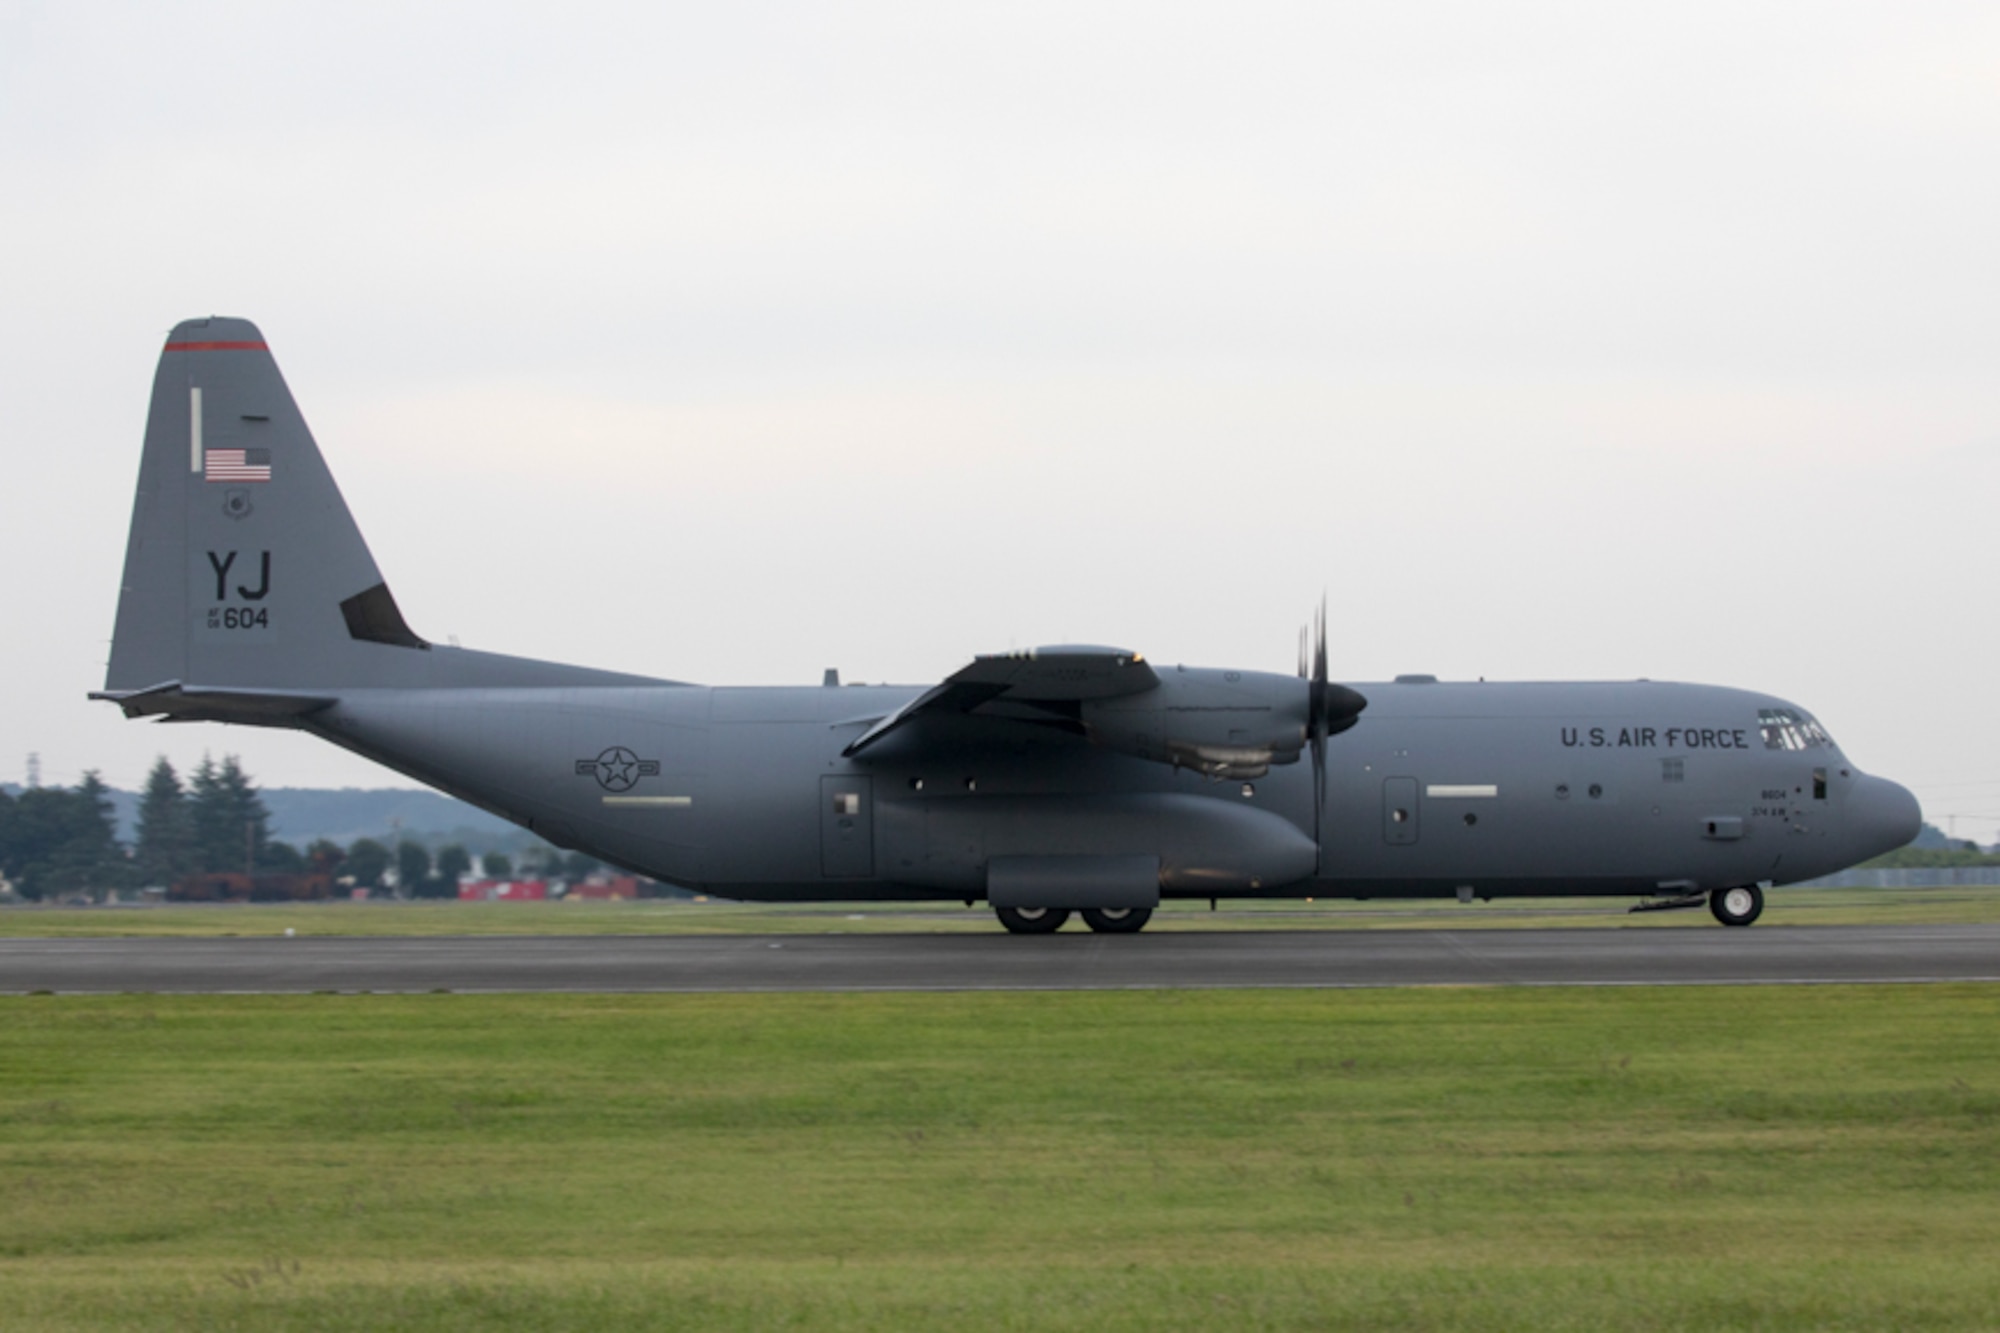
[[236, 465]]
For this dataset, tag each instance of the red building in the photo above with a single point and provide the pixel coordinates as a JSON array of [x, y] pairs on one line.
[[504, 891], [605, 887]]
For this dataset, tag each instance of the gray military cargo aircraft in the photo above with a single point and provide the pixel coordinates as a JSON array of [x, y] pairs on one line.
[[1071, 779]]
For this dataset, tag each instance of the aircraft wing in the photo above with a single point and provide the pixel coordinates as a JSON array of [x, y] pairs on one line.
[[1040, 685]]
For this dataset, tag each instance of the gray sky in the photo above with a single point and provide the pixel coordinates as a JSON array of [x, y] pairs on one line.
[[733, 342]]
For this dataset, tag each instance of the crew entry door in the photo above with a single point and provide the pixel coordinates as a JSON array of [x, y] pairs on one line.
[[1399, 811], [846, 826]]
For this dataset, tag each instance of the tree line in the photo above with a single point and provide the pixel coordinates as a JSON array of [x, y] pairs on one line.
[[62, 841]]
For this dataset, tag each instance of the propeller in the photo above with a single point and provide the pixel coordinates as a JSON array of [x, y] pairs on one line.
[[1330, 709]]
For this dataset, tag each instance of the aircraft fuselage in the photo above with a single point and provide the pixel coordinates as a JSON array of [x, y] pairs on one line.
[[1491, 789]]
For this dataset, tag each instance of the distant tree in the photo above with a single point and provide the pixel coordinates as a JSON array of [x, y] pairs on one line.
[[324, 856], [539, 861], [1906, 858], [413, 867], [281, 858], [63, 840], [366, 860], [166, 850], [105, 863], [580, 865], [452, 863], [496, 865], [208, 823], [8, 815], [227, 816]]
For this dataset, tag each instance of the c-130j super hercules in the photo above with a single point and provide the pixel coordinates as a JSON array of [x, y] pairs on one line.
[[1067, 779]]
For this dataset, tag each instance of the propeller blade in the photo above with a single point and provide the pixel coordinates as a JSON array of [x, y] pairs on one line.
[[1318, 723], [1319, 796], [1319, 646], [1330, 710]]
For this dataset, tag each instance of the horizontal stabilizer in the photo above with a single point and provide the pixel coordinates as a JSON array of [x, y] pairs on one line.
[[175, 702]]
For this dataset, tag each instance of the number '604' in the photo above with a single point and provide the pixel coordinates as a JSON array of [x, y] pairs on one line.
[[239, 617]]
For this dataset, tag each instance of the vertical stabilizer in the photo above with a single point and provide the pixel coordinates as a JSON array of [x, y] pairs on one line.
[[244, 567]]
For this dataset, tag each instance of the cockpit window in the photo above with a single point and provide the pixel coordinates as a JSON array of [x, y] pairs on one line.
[[1789, 729]]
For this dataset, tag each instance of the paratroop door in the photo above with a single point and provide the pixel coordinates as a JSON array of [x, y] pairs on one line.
[[846, 826]]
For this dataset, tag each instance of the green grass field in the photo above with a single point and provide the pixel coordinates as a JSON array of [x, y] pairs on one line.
[[1678, 1158], [1953, 906]]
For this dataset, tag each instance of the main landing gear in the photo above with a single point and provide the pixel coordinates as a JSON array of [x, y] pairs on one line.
[[1032, 920], [1117, 920], [1048, 920], [1738, 906]]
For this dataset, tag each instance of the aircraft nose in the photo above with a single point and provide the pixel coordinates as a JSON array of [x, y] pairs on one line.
[[1884, 815]]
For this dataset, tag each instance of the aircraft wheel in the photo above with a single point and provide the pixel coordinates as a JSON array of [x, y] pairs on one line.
[[1117, 921], [1032, 920], [1738, 906]]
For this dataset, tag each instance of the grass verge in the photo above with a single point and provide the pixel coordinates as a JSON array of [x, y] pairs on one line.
[[1770, 1158]]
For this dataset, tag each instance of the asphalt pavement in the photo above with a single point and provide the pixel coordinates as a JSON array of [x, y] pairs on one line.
[[1703, 955]]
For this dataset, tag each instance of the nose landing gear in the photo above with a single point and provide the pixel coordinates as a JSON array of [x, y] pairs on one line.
[[1738, 906]]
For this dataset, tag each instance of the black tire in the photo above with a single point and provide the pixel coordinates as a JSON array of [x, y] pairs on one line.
[[1032, 920], [1117, 921], [1738, 906]]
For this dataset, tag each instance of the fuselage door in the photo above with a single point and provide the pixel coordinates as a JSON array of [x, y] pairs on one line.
[[846, 826], [1399, 811]]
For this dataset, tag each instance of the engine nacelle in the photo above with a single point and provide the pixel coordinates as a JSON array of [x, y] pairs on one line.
[[1225, 724]]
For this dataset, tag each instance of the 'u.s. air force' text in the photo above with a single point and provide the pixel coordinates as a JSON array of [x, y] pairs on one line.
[[1671, 738]]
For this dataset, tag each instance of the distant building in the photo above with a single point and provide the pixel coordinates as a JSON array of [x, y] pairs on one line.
[[236, 887], [605, 887], [503, 890]]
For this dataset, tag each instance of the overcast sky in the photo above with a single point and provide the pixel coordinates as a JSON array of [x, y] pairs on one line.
[[733, 342]]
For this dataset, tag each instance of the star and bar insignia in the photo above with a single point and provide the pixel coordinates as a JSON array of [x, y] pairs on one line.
[[618, 768]]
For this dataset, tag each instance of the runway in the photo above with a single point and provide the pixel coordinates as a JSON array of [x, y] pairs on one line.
[[1070, 961]]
